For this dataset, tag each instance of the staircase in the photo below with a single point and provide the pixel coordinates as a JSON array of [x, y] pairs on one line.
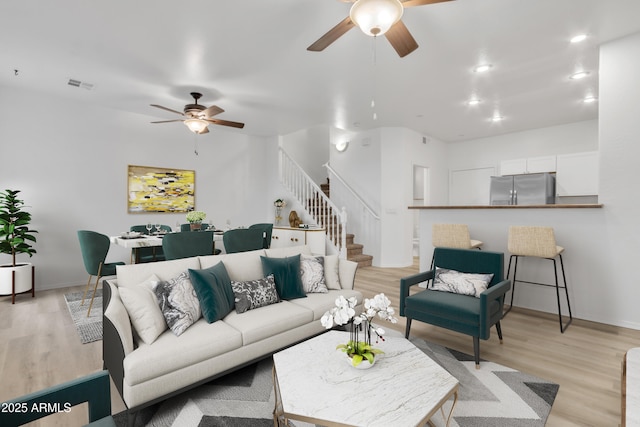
[[354, 250]]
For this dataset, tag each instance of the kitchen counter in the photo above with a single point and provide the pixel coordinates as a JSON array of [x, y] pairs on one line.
[[556, 206]]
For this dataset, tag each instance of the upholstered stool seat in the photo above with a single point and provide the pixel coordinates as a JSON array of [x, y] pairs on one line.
[[452, 236], [538, 242]]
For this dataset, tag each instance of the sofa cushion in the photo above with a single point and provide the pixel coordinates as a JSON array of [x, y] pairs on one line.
[[268, 321], [331, 272], [312, 274], [320, 303], [170, 353], [286, 272], [460, 283], [144, 312], [213, 288], [241, 266], [133, 274], [178, 302], [253, 294]]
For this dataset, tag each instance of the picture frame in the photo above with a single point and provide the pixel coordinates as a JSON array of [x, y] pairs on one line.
[[160, 190]]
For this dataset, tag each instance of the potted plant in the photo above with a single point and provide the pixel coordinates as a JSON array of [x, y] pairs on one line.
[[359, 349], [15, 238], [195, 219]]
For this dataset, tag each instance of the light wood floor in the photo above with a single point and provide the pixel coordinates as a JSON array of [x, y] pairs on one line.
[[39, 347]]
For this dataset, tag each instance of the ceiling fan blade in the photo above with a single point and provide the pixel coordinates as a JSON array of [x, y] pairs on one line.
[[225, 123], [401, 39], [167, 109], [212, 111], [412, 3], [332, 35], [169, 121]]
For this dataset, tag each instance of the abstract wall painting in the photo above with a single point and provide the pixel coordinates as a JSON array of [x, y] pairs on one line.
[[152, 189]]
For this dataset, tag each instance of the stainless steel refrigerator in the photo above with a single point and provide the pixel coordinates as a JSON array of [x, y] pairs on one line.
[[529, 189]]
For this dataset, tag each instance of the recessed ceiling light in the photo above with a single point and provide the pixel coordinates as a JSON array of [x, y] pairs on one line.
[[473, 101], [497, 118], [589, 99], [482, 68], [578, 38], [579, 75]]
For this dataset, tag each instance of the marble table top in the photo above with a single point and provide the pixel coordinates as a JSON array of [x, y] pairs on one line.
[[316, 384], [139, 242]]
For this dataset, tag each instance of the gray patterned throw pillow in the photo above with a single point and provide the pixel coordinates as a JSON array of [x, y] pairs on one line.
[[178, 302], [312, 274], [461, 283], [254, 293]]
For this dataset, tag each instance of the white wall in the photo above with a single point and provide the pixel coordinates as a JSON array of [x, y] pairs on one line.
[[310, 149], [601, 244], [70, 163]]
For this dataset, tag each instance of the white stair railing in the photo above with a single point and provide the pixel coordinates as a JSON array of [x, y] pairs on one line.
[[315, 202]]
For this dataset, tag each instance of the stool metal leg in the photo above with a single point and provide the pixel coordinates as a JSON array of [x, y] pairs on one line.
[[513, 282], [566, 290]]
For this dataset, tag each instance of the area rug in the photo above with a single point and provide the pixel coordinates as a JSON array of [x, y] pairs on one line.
[[492, 396], [89, 328]]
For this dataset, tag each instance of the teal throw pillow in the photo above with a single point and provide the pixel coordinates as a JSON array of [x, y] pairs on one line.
[[213, 288], [286, 272]]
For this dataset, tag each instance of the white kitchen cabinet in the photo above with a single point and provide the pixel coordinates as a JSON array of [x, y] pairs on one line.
[[528, 165], [577, 174], [283, 237]]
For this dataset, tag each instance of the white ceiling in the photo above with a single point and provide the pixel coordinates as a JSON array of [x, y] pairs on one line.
[[249, 57]]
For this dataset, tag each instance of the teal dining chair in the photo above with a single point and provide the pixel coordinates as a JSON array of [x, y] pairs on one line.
[[243, 240], [94, 247], [185, 245], [267, 230], [150, 254], [187, 227]]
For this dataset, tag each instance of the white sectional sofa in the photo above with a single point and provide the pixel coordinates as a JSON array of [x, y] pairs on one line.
[[145, 373]]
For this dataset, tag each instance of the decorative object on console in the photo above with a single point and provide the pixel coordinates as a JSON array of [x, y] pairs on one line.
[[344, 312], [279, 204], [195, 219], [15, 236], [294, 219], [198, 117], [152, 189]]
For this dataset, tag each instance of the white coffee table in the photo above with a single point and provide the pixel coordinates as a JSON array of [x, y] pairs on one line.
[[314, 384]]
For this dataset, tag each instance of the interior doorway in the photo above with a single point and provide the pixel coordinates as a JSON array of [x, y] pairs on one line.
[[421, 197]]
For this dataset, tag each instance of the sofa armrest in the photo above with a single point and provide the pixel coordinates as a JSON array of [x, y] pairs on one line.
[[407, 282], [347, 273], [496, 291], [117, 335]]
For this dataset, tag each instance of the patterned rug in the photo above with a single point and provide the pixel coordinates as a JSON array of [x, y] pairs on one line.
[[89, 328], [492, 396]]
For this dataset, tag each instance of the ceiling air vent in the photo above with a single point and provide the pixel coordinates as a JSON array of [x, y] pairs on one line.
[[78, 83]]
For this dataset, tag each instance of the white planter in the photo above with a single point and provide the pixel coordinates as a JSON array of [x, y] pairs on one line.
[[23, 278]]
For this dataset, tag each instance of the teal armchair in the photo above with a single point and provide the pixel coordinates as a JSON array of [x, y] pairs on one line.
[[466, 314]]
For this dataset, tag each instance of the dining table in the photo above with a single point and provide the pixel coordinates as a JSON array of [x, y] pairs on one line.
[[153, 240]]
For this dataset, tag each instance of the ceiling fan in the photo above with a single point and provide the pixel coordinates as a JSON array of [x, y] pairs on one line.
[[376, 18], [198, 117]]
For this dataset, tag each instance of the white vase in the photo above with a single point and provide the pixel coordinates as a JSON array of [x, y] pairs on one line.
[[363, 365], [23, 278]]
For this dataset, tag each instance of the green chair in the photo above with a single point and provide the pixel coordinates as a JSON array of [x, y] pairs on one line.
[[243, 240], [469, 315], [94, 247], [267, 230], [151, 254], [93, 389], [185, 245]]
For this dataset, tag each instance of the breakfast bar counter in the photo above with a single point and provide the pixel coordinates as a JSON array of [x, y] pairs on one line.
[[576, 229]]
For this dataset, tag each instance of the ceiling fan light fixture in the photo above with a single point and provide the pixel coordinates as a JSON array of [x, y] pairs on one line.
[[375, 17], [196, 125]]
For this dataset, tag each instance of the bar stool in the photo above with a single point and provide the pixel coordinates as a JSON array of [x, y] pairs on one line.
[[452, 236], [539, 242]]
